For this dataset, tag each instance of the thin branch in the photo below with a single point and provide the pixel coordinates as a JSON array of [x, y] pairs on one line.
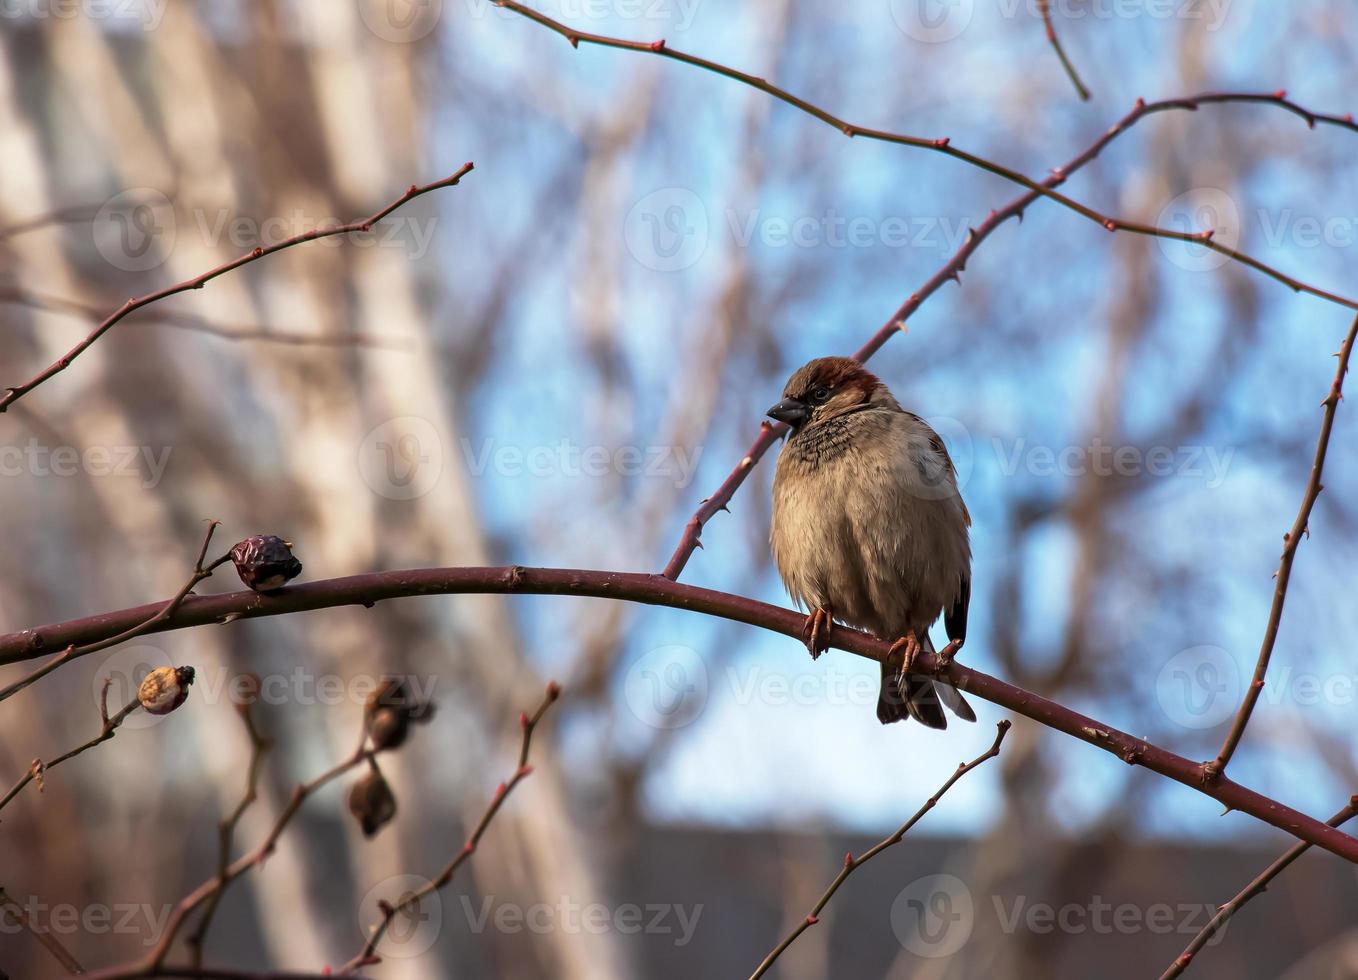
[[188, 972], [373, 587], [196, 324], [38, 769], [49, 941], [1044, 7], [164, 613], [944, 145], [1254, 888], [852, 864], [198, 282], [154, 961], [61, 216], [1291, 540], [528, 723], [226, 830], [952, 272]]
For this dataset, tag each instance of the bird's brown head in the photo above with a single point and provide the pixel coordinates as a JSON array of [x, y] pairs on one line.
[[825, 388]]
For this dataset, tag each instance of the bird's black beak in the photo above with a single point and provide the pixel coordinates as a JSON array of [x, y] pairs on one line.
[[791, 411]]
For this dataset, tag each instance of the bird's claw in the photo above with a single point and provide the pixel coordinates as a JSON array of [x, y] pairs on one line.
[[909, 648], [816, 632]]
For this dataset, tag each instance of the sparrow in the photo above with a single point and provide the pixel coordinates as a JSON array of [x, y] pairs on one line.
[[870, 529]]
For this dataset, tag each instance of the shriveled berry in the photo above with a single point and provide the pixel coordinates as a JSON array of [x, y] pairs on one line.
[[265, 562], [372, 803], [165, 689]]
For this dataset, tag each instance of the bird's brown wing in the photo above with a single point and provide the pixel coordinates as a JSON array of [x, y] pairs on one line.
[[955, 616]]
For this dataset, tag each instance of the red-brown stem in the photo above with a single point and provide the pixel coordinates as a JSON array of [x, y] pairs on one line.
[[1044, 8], [160, 615], [852, 864], [12, 395], [154, 961], [944, 146], [365, 590], [367, 956], [1291, 540], [187, 972], [49, 941], [38, 769], [195, 324], [1254, 888], [226, 831]]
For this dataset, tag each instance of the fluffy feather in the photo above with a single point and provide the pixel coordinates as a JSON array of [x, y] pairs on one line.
[[869, 525]]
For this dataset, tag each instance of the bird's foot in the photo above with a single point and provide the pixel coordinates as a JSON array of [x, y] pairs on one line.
[[816, 632], [908, 648]]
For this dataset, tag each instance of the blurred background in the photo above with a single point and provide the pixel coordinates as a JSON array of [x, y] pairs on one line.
[[554, 362]]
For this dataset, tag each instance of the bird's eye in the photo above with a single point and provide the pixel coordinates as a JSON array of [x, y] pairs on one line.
[[820, 393]]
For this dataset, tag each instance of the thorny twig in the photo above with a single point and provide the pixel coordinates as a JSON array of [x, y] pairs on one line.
[[1213, 770], [196, 324], [12, 395], [852, 864], [49, 941], [1044, 9], [259, 745], [38, 769], [952, 270], [200, 572], [1254, 888], [368, 955], [154, 963], [1203, 238]]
